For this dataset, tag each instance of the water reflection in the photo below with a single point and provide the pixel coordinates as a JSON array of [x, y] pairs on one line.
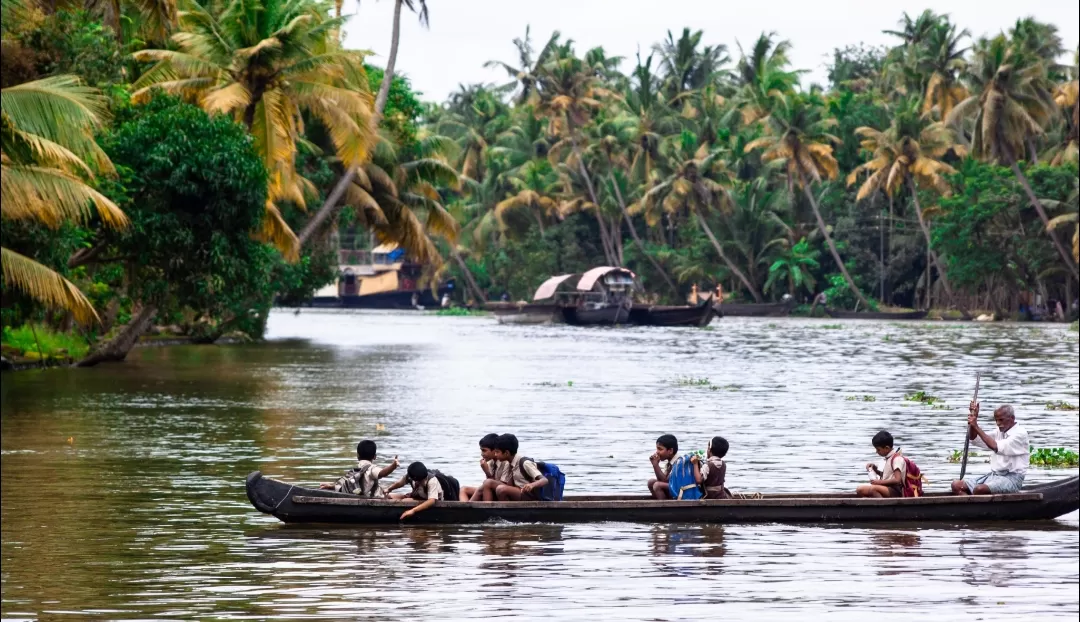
[[143, 514]]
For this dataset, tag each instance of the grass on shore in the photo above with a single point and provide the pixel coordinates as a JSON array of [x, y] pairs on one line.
[[54, 345]]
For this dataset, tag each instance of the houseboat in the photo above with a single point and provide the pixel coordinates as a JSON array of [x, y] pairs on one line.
[[383, 278]]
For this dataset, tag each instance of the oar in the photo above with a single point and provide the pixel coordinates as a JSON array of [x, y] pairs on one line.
[[967, 431]]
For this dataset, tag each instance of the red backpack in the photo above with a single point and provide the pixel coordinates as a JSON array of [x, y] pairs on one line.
[[913, 478]]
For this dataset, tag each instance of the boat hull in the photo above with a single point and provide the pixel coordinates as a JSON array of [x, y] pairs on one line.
[[875, 315], [294, 504], [779, 309], [605, 316], [646, 315], [398, 299], [528, 313]]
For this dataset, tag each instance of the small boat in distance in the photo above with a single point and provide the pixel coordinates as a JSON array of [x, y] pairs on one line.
[[296, 504], [767, 309], [875, 315]]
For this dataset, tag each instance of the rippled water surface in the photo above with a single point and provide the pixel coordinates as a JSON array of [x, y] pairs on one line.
[[123, 497]]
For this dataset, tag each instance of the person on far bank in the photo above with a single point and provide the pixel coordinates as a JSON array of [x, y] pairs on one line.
[[1011, 454]]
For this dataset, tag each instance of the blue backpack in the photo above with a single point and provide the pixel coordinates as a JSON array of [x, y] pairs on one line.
[[556, 480], [681, 480]]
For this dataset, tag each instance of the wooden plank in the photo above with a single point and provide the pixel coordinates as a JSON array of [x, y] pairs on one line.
[[637, 504]]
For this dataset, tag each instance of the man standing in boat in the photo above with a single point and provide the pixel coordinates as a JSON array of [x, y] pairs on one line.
[[1009, 462]]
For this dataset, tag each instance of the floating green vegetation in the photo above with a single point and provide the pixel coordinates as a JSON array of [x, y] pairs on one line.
[[773, 325], [546, 384], [923, 398], [1060, 405], [732, 387], [940, 406], [708, 328], [861, 398], [1075, 326], [832, 326], [1042, 457], [1054, 457], [957, 455], [460, 312], [569, 383], [887, 338], [690, 381]]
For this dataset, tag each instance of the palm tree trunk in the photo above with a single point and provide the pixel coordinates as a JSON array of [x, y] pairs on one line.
[[637, 240], [468, 275], [1042, 215], [723, 257], [117, 348], [605, 239], [829, 241], [330, 206], [933, 254]]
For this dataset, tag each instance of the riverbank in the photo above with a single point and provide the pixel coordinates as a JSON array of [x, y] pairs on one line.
[[52, 349]]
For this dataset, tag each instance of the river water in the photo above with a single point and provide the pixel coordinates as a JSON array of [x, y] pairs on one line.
[[123, 491]]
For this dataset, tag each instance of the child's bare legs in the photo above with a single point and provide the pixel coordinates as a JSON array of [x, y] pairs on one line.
[[506, 492], [467, 493], [398, 496], [660, 490], [488, 490], [873, 492]]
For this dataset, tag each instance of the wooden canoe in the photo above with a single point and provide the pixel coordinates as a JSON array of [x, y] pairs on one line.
[[532, 313], [875, 315], [656, 315], [777, 309], [295, 504], [602, 316]]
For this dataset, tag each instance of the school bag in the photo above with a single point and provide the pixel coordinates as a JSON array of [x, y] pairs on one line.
[[353, 482], [912, 485], [553, 491], [681, 480], [450, 486]]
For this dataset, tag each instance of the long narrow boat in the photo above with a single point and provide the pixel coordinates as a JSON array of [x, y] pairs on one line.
[[295, 504], [526, 313], [776, 309], [656, 315], [606, 315], [875, 315]]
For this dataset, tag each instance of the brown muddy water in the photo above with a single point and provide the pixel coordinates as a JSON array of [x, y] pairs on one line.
[[123, 486]]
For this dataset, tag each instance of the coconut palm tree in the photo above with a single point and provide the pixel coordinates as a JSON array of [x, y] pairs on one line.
[[908, 155], [265, 62], [330, 205], [1010, 107], [797, 133], [570, 93], [695, 180], [944, 62], [47, 155], [762, 75], [526, 76], [686, 66]]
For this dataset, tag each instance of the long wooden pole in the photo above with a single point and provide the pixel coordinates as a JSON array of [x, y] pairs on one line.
[[967, 430]]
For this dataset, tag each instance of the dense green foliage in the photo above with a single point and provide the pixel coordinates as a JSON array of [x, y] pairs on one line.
[[194, 189], [904, 181]]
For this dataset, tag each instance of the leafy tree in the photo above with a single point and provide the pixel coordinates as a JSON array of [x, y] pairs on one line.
[[194, 188]]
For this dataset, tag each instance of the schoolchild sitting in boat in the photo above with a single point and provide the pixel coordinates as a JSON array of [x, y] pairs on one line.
[[364, 479], [710, 475], [890, 481], [1011, 454], [488, 464], [667, 447], [523, 476], [428, 486]]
